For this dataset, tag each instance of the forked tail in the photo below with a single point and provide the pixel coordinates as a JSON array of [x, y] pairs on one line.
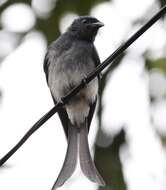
[[70, 158], [86, 162]]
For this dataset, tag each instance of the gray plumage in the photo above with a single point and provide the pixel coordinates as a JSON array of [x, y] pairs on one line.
[[68, 61], [70, 161], [86, 162]]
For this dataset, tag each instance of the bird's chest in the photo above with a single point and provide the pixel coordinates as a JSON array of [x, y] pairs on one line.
[[68, 73]]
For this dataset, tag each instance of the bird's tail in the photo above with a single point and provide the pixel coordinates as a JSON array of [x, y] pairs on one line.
[[70, 158], [86, 162]]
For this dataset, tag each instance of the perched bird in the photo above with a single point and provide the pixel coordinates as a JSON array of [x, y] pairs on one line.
[[68, 61]]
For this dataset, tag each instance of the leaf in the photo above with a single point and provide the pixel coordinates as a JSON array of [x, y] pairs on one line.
[[157, 63]]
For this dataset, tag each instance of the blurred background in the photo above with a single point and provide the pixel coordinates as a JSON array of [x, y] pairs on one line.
[[128, 132]]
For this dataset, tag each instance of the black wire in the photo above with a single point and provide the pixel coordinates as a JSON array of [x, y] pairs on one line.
[[36, 126], [91, 76]]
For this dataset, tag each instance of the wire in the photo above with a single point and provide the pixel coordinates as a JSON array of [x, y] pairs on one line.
[[84, 82]]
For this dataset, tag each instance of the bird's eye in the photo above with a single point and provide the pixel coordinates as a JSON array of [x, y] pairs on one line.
[[84, 21]]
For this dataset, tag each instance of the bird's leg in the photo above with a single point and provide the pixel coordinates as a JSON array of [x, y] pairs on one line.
[[61, 101]]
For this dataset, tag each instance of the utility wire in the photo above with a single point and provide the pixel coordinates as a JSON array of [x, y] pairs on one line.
[[84, 82]]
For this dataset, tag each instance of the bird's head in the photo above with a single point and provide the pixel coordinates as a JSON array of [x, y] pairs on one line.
[[85, 28]]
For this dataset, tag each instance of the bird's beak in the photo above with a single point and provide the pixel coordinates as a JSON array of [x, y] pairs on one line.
[[98, 24]]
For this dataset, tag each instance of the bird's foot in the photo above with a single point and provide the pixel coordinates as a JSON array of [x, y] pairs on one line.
[[84, 81]]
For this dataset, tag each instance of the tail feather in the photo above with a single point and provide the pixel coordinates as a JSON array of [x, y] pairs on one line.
[[70, 158], [86, 162]]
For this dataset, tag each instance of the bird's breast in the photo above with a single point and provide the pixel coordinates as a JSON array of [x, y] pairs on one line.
[[64, 74], [63, 77]]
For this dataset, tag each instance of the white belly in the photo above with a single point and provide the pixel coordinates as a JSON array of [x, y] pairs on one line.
[[60, 83], [78, 107]]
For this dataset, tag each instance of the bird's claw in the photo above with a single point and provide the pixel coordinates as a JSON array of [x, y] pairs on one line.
[[84, 81], [61, 101]]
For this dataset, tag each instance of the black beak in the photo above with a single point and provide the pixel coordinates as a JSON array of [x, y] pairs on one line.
[[98, 24]]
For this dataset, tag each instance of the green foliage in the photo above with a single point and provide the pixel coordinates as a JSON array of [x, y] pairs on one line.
[[108, 162], [162, 2], [157, 63]]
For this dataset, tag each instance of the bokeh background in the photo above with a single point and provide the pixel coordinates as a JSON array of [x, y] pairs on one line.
[[128, 133]]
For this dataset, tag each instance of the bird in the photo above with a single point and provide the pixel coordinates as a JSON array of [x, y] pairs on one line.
[[68, 61]]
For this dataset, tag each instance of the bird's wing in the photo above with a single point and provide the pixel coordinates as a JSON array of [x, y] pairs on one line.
[[61, 112], [95, 56], [63, 118], [96, 60], [46, 65], [56, 48], [91, 112]]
